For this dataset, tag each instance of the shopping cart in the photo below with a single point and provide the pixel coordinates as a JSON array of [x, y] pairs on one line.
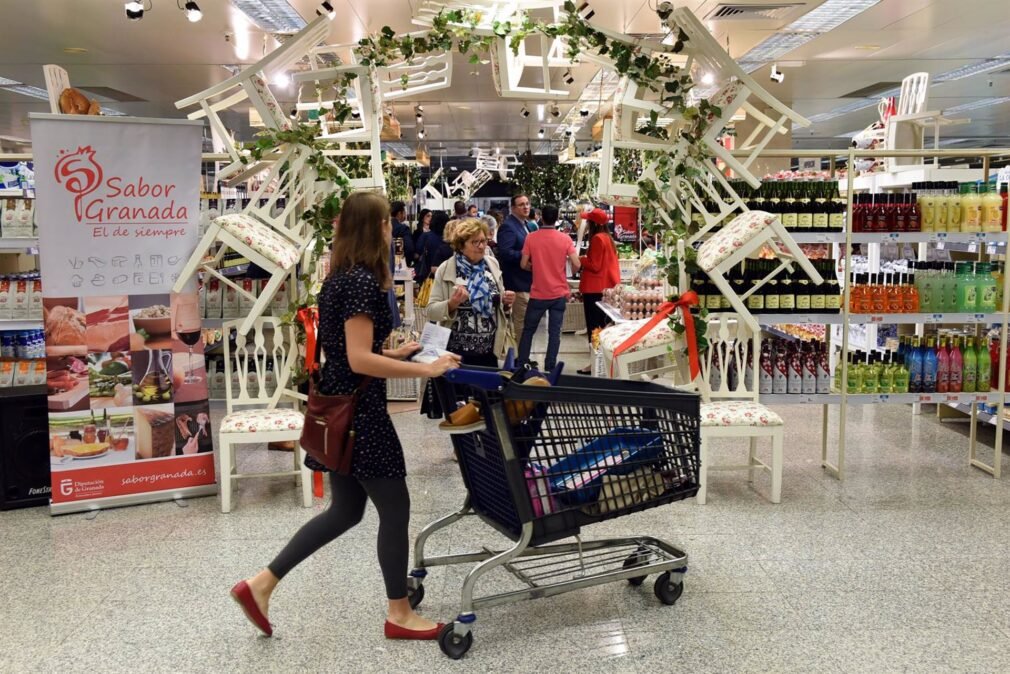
[[549, 460]]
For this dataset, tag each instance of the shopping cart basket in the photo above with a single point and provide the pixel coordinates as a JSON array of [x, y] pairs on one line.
[[548, 461]]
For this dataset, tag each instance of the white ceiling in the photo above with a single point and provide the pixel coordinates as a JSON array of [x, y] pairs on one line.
[[164, 58]]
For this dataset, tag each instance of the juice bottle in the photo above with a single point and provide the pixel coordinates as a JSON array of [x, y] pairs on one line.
[[992, 211], [878, 295], [941, 208], [927, 207], [953, 208], [956, 366], [901, 377], [942, 368], [970, 370], [909, 295], [929, 366], [967, 295], [915, 367], [983, 375], [971, 210], [854, 379], [949, 300], [871, 374], [895, 294], [887, 374], [927, 293], [985, 289]]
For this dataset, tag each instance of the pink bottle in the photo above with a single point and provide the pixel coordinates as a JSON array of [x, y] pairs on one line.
[[956, 368], [994, 361], [942, 369]]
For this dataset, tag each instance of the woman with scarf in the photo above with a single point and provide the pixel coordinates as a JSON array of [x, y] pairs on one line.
[[469, 298]]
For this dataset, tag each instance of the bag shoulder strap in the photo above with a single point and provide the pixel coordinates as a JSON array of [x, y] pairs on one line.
[[365, 381]]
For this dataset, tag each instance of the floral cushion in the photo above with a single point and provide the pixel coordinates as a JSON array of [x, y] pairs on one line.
[[268, 98], [732, 237], [261, 238], [727, 94], [613, 336], [251, 421], [726, 413]]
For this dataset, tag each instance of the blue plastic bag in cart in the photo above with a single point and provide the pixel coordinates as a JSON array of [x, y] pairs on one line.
[[577, 478]]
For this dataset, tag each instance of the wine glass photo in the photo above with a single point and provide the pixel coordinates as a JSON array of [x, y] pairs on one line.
[[188, 329]]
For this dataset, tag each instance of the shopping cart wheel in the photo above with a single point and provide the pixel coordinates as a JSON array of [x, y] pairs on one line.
[[666, 590], [452, 644], [415, 596], [637, 558]]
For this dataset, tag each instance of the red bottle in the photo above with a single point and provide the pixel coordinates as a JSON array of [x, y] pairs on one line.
[[879, 214], [859, 213], [900, 213], [994, 369], [914, 215]]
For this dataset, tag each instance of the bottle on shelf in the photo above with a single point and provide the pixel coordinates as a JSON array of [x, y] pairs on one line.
[[985, 289], [794, 369], [823, 383], [942, 368], [967, 295], [766, 375], [956, 366], [929, 366], [809, 362], [909, 294], [942, 205], [895, 294], [859, 202], [992, 211], [971, 209], [854, 378], [780, 370], [915, 367], [983, 374], [994, 364], [901, 376], [970, 369], [787, 294], [927, 206], [997, 269], [914, 217]]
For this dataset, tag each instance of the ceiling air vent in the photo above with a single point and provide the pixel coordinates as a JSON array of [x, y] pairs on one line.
[[762, 12]]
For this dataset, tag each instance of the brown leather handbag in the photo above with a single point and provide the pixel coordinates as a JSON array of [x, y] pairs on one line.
[[328, 431]]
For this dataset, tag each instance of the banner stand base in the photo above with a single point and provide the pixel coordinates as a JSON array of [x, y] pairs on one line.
[[133, 499]]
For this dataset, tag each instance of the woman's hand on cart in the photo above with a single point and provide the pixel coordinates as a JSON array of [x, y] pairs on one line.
[[449, 361]]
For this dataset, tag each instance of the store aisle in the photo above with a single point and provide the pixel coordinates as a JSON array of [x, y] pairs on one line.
[[901, 567]]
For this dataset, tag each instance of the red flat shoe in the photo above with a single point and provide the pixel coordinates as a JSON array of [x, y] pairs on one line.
[[242, 594], [394, 631]]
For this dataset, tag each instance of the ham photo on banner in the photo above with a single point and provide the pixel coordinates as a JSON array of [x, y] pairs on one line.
[[118, 213]]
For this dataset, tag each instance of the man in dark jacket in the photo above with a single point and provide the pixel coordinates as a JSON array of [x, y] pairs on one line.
[[511, 237], [401, 230]]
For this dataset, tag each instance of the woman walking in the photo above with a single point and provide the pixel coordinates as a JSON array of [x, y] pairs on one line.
[[354, 322], [600, 271]]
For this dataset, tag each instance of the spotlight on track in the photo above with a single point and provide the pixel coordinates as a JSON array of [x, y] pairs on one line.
[[555, 110], [585, 11], [193, 12], [568, 76], [328, 10], [134, 10], [776, 74], [420, 134], [584, 112], [524, 112], [540, 133]]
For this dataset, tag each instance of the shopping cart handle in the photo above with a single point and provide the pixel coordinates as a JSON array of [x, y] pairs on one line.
[[489, 381]]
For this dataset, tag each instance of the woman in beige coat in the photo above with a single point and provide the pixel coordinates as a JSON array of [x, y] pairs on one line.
[[469, 297]]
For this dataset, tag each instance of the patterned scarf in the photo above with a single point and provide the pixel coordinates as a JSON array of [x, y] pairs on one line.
[[476, 284]]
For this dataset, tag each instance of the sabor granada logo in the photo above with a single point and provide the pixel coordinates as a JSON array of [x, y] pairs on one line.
[[115, 200], [79, 174]]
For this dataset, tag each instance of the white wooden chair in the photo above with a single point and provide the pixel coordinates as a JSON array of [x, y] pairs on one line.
[[736, 412], [275, 243], [906, 130], [251, 84], [743, 237], [254, 415]]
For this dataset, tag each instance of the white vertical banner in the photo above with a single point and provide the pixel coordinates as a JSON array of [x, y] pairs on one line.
[[118, 217]]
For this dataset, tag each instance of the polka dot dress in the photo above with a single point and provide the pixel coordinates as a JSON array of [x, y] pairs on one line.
[[377, 449]]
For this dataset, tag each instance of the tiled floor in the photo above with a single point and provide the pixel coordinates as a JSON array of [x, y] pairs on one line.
[[905, 566]]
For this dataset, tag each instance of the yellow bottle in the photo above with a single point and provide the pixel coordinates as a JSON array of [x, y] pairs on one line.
[[927, 207], [941, 208], [992, 212], [971, 210], [953, 208]]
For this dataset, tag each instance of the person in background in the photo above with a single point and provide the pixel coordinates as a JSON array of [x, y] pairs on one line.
[[538, 216], [511, 237], [422, 226], [545, 253], [600, 271], [471, 211], [459, 210], [434, 250], [401, 231], [353, 324], [492, 228], [468, 297]]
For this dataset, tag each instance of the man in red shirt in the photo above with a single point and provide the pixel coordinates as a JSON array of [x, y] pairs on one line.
[[545, 253]]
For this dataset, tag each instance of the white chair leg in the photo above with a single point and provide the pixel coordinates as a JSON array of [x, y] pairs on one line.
[[752, 460], [263, 301], [702, 471], [305, 478], [227, 469], [192, 265], [777, 466]]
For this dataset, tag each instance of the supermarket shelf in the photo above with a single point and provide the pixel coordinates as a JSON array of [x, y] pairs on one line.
[[17, 324], [983, 417], [780, 319], [19, 391], [818, 237], [901, 179], [901, 319], [952, 399], [998, 238], [18, 244]]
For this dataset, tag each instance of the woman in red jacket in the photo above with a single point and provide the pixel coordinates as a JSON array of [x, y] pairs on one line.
[[600, 270]]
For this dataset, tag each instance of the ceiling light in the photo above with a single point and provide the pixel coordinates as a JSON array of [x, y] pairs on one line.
[[328, 10], [4, 82], [540, 133], [75, 50], [708, 79], [420, 108], [28, 90], [555, 110], [419, 118], [134, 10], [282, 80], [193, 12], [825, 17], [420, 133], [497, 150], [524, 112], [274, 16], [866, 47], [540, 112], [356, 114], [776, 74], [983, 66], [568, 76], [584, 112]]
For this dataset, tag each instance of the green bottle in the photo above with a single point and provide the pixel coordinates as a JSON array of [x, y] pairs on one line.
[[985, 288], [887, 375], [967, 295], [970, 371], [871, 374], [984, 370], [854, 382], [900, 376]]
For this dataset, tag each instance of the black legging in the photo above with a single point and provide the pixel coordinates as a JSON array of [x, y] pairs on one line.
[[347, 506], [595, 318]]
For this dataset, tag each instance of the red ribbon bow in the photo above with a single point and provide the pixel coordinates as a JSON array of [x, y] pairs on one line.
[[684, 303], [309, 317]]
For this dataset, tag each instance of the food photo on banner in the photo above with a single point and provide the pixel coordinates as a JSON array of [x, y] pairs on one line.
[[118, 213]]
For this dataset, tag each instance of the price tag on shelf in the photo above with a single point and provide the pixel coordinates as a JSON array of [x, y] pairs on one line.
[[940, 245], [953, 398], [939, 237], [925, 398], [990, 249], [973, 246], [934, 318], [876, 319], [982, 398], [893, 236], [980, 318], [883, 397]]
